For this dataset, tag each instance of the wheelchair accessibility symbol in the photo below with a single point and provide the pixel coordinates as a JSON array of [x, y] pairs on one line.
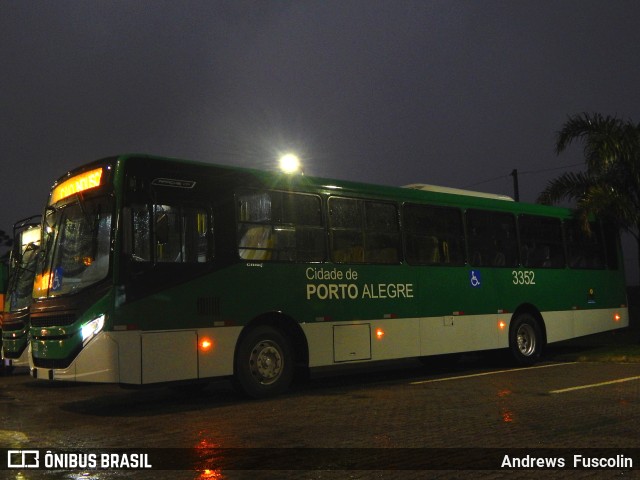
[[56, 284], [475, 279]]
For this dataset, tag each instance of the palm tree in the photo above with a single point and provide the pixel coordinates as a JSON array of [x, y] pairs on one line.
[[610, 186]]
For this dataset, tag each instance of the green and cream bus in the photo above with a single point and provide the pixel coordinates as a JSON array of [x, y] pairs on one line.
[[159, 270], [22, 266]]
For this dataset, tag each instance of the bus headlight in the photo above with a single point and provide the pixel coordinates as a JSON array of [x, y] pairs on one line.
[[91, 328]]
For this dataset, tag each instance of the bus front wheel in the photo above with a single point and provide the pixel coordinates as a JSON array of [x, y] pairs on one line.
[[263, 363], [525, 339]]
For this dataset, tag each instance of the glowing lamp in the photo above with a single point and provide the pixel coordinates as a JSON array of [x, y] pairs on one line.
[[76, 184], [30, 236], [205, 344], [92, 328], [41, 282], [379, 333], [289, 163]]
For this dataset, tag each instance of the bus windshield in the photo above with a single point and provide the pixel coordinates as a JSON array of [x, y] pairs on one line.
[[76, 247], [22, 271]]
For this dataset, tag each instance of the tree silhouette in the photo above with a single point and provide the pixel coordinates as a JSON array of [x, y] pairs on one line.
[[610, 187]]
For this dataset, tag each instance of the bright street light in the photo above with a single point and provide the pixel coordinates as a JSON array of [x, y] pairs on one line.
[[290, 163]]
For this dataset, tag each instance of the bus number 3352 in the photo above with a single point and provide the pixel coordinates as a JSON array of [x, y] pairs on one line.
[[524, 277]]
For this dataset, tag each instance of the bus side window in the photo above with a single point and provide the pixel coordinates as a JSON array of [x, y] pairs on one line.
[[280, 226], [541, 242], [140, 233], [254, 226], [347, 242], [170, 234], [181, 234], [585, 250], [256, 243], [166, 221], [492, 238], [382, 233], [364, 231], [298, 227], [433, 235]]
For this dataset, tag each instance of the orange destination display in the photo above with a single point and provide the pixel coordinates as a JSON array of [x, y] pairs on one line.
[[76, 184]]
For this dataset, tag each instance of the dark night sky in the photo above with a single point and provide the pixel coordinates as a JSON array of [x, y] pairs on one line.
[[394, 92]]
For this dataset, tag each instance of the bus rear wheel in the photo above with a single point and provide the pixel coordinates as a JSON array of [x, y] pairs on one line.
[[525, 339], [263, 363]]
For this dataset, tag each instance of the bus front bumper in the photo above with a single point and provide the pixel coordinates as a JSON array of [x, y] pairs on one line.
[[96, 362]]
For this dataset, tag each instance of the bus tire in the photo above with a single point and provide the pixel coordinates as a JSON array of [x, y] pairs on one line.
[[526, 341], [263, 363]]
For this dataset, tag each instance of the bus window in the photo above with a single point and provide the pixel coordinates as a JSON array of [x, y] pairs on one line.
[[298, 227], [81, 232], [141, 233], [280, 226], [433, 235], [585, 250], [364, 231], [541, 242], [347, 242], [492, 239], [170, 234]]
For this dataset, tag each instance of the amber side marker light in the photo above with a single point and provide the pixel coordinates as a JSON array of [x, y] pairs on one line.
[[616, 317], [379, 333], [206, 344], [502, 324]]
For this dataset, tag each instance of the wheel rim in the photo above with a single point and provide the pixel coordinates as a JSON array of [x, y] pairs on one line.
[[526, 337], [266, 362]]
